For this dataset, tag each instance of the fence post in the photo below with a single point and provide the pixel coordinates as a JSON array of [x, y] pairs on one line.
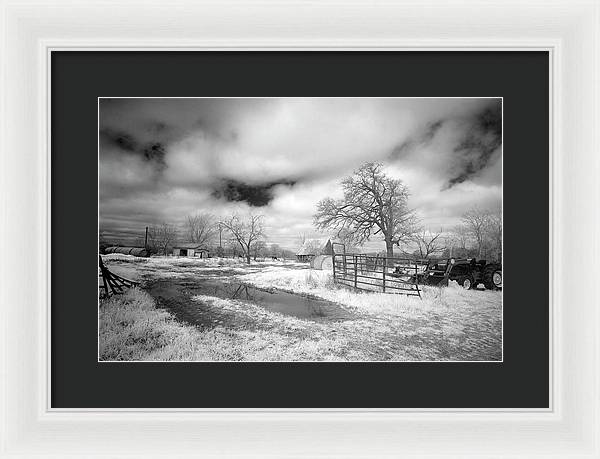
[[384, 266], [355, 272], [417, 279], [333, 263]]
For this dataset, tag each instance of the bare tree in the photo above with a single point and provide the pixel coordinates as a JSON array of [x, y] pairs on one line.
[[102, 242], [245, 232], [259, 248], [458, 240], [275, 250], [476, 221], [494, 234], [373, 203], [161, 237], [301, 239], [346, 237], [200, 228], [429, 243]]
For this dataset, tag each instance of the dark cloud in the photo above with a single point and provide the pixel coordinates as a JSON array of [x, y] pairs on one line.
[[465, 144], [254, 195], [125, 143], [155, 152], [118, 139], [419, 139], [170, 120], [479, 143]]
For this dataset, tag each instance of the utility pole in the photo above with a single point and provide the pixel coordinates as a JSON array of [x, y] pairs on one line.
[[146, 240]]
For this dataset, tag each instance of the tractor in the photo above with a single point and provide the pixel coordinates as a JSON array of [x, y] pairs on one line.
[[468, 272]]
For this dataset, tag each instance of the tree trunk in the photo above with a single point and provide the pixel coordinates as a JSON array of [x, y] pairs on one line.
[[389, 248]]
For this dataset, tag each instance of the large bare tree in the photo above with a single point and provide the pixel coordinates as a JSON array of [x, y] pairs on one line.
[[373, 203], [200, 228], [246, 232], [161, 237]]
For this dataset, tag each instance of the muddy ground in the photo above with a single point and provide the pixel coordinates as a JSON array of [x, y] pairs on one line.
[[275, 298]]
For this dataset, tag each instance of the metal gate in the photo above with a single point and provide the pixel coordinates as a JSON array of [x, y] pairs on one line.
[[378, 274]]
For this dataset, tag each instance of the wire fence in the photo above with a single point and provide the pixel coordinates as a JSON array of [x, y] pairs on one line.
[[378, 274]]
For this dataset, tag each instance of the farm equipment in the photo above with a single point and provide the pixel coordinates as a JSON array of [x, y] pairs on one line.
[[467, 272]]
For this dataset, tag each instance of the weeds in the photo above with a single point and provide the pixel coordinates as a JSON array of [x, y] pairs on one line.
[[131, 328]]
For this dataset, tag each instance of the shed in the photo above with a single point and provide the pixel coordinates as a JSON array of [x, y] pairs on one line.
[[190, 250], [313, 247]]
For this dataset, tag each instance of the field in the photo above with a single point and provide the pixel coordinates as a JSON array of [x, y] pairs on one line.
[[223, 309]]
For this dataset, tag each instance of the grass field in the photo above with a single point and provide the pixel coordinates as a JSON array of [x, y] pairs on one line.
[[175, 316]]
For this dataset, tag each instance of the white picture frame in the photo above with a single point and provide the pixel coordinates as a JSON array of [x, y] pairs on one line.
[[569, 30]]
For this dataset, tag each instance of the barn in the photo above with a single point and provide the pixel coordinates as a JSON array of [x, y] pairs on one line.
[[313, 247], [191, 250]]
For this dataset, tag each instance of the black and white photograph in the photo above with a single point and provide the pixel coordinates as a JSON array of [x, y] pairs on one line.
[[300, 229]]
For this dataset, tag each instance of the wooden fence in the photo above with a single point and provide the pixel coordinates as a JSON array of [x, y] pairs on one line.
[[110, 282], [379, 274]]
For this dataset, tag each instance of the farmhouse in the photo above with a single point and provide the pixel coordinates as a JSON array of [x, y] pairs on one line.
[[313, 247], [190, 250]]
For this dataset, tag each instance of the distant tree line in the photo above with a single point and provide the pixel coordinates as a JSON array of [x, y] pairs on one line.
[[235, 236]]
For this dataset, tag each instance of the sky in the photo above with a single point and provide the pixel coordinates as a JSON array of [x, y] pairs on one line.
[[164, 159]]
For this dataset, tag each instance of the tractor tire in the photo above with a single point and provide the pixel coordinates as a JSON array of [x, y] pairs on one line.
[[492, 277], [467, 282]]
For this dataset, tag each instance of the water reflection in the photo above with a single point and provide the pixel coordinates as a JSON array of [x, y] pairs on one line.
[[175, 295], [275, 300]]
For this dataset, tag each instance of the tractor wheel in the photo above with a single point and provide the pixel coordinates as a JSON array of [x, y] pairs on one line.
[[466, 282], [492, 277]]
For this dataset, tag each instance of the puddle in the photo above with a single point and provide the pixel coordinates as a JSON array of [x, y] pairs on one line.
[[175, 296], [276, 301]]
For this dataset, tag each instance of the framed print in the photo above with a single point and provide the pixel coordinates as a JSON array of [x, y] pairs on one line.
[[281, 229], [371, 296]]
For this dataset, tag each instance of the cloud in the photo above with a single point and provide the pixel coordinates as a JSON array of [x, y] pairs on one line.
[[253, 195], [162, 159]]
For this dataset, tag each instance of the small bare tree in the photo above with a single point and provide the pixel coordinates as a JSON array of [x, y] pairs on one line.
[[161, 237], [494, 234], [476, 221], [301, 239], [275, 250], [200, 228], [259, 249], [246, 232], [373, 203], [429, 243], [458, 241]]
